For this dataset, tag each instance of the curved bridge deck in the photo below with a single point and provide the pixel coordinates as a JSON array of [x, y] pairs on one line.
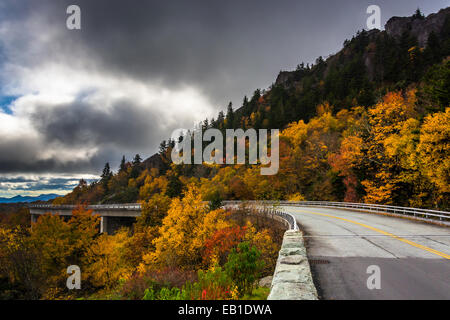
[[413, 256]]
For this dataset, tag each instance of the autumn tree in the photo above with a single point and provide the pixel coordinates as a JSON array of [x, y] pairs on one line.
[[51, 236], [219, 245], [434, 152], [386, 119], [21, 275], [154, 210], [262, 240], [106, 262], [61, 244], [153, 185], [184, 231]]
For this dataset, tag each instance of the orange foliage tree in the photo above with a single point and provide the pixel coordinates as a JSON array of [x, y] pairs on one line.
[[188, 224]]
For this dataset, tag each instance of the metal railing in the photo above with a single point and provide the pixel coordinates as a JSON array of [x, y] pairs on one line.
[[412, 212], [123, 206], [268, 211]]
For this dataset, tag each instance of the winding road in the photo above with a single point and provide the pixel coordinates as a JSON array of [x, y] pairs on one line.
[[413, 257]]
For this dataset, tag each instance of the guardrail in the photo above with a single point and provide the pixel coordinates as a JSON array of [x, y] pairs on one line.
[[127, 206], [269, 211], [413, 212]]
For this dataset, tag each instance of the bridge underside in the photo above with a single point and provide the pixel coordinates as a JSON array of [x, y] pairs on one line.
[[110, 220]]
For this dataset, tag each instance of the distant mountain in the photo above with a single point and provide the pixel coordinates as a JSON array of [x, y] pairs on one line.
[[42, 197]]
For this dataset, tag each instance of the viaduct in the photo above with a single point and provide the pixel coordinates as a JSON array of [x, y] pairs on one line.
[[347, 244], [112, 216]]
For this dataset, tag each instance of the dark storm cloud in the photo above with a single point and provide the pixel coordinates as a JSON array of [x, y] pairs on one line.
[[225, 48], [81, 123], [31, 164], [27, 160]]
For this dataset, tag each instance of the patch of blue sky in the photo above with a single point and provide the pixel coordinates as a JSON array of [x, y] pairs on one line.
[[5, 103]]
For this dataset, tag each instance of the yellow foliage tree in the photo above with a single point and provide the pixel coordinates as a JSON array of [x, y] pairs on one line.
[[62, 244], [106, 262], [51, 235], [154, 210], [389, 120], [188, 223], [153, 185], [434, 150], [296, 197], [264, 243], [20, 264]]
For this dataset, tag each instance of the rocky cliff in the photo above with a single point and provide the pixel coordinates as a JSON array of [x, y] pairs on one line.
[[417, 25]]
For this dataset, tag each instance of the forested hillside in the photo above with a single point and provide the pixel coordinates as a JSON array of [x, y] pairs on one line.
[[369, 124]]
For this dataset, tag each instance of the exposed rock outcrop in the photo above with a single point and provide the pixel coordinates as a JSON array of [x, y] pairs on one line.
[[265, 282], [419, 27], [154, 161], [284, 78]]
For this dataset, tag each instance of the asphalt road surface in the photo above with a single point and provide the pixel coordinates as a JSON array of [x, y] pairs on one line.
[[413, 257]]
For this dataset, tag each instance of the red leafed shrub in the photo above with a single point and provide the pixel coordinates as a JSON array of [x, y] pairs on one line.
[[221, 243]]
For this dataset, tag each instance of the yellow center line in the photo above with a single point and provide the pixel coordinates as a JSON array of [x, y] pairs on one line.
[[446, 256]]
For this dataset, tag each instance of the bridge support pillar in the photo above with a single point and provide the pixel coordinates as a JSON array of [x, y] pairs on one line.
[[33, 218], [103, 224]]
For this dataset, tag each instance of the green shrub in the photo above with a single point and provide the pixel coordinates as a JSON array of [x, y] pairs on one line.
[[163, 294], [244, 267], [213, 284], [260, 293], [215, 200]]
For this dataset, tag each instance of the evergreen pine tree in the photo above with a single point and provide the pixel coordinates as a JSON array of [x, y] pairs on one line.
[[106, 176], [230, 116], [136, 166], [220, 120], [137, 160], [163, 147], [123, 164]]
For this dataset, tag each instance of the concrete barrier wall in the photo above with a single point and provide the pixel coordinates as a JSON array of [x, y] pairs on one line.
[[292, 279]]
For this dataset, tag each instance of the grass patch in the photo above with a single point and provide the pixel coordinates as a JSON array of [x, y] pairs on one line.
[[260, 293]]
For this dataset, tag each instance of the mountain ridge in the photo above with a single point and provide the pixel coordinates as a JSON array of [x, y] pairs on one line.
[[20, 198], [369, 65], [372, 68]]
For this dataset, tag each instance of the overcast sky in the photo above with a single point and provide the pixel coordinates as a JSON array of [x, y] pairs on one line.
[[71, 100]]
